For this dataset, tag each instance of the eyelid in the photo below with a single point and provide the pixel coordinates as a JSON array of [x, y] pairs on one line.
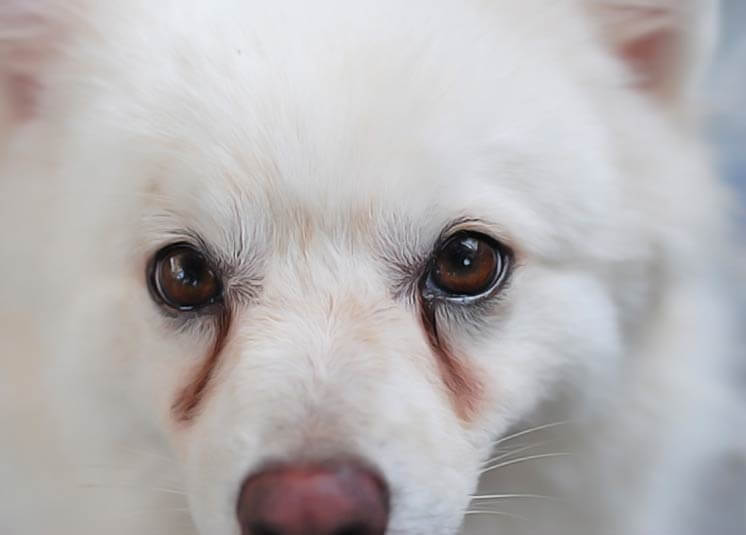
[[477, 226]]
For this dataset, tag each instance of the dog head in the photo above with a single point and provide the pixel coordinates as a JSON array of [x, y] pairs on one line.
[[308, 244]]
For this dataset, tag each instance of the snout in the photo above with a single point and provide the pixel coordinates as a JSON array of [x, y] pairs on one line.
[[331, 498]]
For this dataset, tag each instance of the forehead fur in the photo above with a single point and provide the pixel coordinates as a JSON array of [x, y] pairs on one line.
[[353, 117], [359, 119]]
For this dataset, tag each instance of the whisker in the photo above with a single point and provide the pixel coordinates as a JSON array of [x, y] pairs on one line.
[[169, 491], [115, 486], [496, 513], [514, 451], [533, 430], [181, 511], [523, 459], [146, 453], [512, 496]]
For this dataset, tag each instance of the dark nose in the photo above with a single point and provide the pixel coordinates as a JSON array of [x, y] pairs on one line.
[[333, 498]]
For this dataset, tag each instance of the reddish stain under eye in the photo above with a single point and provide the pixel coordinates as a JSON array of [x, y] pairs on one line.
[[190, 397], [460, 379]]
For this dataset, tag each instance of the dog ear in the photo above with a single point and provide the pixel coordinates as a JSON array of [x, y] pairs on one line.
[[30, 31], [666, 44]]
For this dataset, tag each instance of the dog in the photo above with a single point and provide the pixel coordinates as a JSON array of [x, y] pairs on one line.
[[301, 268]]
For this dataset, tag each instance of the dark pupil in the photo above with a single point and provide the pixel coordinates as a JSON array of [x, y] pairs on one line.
[[466, 266], [188, 269], [186, 280], [461, 256]]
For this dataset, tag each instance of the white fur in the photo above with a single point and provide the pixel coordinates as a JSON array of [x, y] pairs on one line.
[[313, 143]]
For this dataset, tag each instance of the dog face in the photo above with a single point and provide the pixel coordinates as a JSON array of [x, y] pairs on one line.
[[297, 234]]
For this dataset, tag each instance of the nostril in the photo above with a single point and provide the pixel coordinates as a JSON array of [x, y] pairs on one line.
[[259, 528], [353, 529]]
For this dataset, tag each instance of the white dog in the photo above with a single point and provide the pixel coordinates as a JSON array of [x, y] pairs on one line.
[[294, 268]]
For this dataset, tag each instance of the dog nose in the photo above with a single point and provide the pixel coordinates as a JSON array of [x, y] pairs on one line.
[[333, 498]]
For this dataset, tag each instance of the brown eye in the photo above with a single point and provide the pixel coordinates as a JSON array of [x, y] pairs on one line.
[[467, 265], [183, 279]]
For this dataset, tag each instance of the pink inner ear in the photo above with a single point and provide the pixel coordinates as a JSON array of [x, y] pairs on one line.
[[651, 57], [23, 58], [23, 92]]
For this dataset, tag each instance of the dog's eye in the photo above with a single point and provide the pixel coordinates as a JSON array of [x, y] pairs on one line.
[[183, 279], [468, 264]]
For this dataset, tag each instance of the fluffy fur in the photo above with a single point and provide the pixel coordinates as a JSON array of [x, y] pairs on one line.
[[318, 149]]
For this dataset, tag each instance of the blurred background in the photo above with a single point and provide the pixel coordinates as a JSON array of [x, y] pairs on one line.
[[728, 92]]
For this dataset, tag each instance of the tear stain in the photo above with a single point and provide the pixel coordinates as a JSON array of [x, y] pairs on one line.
[[187, 403], [465, 389]]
